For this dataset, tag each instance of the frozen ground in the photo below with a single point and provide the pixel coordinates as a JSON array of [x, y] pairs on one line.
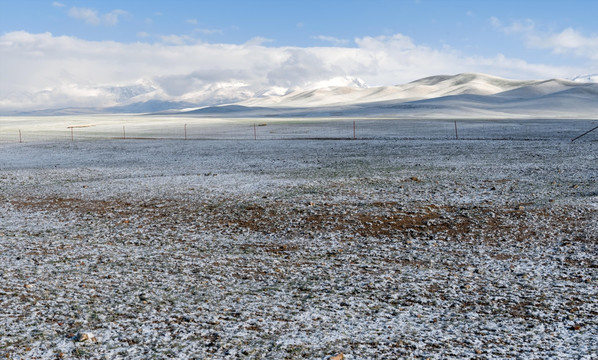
[[404, 246]]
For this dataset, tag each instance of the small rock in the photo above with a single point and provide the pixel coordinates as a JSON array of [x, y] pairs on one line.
[[85, 337], [340, 356]]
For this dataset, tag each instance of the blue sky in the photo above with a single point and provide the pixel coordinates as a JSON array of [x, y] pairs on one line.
[[463, 25], [379, 42]]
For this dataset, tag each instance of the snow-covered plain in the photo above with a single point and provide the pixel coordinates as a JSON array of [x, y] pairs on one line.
[[403, 243]]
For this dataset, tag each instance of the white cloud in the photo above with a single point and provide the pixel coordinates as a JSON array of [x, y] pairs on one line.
[[567, 42], [57, 4], [91, 16], [42, 70], [177, 39], [208, 31], [526, 26], [192, 21], [331, 39], [495, 22], [258, 41], [112, 17]]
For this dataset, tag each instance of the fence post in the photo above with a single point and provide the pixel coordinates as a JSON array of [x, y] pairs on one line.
[[124, 134], [456, 133], [185, 131], [254, 132], [354, 130], [20, 137]]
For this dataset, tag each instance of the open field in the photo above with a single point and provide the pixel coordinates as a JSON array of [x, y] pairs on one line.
[[403, 243], [104, 127]]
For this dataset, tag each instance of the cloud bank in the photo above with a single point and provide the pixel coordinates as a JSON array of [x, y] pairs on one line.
[[566, 42], [41, 71]]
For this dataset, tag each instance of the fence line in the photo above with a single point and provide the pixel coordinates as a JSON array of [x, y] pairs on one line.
[[364, 129]]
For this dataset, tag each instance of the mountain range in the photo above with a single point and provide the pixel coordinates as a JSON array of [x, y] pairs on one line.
[[443, 96]]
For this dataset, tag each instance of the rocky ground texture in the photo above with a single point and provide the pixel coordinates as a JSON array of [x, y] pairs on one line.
[[138, 249]]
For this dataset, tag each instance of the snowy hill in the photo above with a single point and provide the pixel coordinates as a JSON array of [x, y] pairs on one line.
[[427, 88], [461, 95]]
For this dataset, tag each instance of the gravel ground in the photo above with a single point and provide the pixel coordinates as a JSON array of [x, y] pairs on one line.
[[140, 249]]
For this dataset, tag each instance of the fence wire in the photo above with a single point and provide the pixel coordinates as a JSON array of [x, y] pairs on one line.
[[17, 129]]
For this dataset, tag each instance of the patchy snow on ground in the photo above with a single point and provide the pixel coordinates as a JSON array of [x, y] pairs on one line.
[[402, 243]]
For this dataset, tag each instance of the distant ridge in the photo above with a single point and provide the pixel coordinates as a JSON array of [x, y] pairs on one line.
[[426, 88], [443, 96]]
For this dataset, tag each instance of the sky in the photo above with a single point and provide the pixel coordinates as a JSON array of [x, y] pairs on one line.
[[103, 53]]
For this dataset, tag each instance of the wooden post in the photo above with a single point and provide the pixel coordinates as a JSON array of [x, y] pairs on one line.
[[354, 130], [72, 135], [185, 131], [124, 134], [254, 132], [20, 137], [456, 133]]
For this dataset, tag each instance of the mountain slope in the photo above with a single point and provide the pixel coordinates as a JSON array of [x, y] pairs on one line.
[[462, 95], [426, 88]]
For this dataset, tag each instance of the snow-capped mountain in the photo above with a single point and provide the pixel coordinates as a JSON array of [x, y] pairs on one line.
[[426, 88], [123, 94], [461, 95], [145, 95]]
